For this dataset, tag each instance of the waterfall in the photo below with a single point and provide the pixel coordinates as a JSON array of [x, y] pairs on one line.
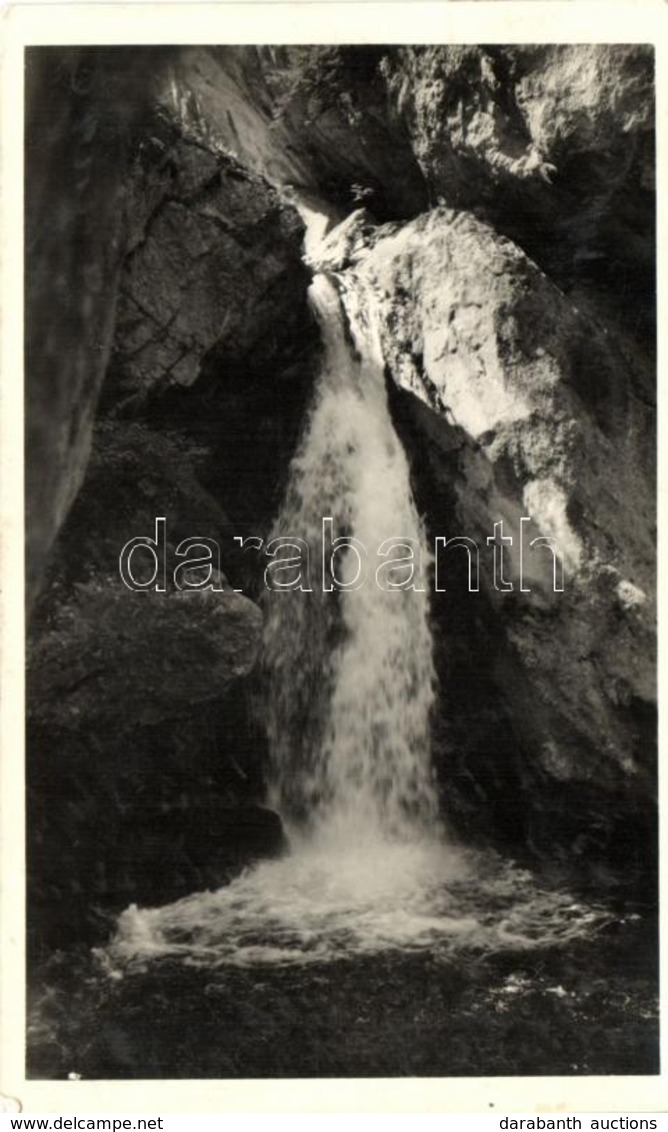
[[350, 689], [350, 672]]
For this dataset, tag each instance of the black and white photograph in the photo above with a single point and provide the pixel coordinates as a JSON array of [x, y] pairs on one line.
[[340, 575]]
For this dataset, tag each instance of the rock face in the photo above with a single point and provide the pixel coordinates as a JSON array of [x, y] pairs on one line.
[[483, 118], [554, 143], [530, 410], [213, 260], [312, 117]]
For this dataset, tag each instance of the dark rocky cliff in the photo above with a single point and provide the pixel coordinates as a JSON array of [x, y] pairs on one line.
[[507, 243]]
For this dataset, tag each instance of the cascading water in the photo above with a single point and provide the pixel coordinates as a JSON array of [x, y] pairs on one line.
[[350, 670], [350, 689]]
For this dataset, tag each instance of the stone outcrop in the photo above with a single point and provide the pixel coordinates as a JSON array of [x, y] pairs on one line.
[[213, 261]]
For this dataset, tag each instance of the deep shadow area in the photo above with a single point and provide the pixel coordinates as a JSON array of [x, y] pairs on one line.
[[587, 1009]]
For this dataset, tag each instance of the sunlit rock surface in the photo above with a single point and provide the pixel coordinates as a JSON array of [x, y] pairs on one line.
[[529, 408]]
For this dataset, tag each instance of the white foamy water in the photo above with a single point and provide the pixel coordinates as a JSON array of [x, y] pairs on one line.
[[322, 904], [351, 685], [351, 676]]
